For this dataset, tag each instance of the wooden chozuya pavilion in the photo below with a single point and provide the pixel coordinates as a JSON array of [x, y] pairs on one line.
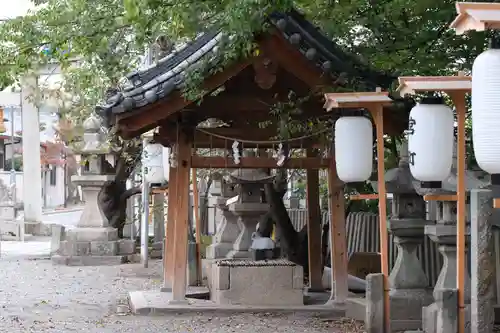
[[294, 56]]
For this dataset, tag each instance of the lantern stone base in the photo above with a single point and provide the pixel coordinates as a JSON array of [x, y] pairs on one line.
[[406, 308], [248, 215], [431, 313], [93, 247], [219, 250], [257, 283]]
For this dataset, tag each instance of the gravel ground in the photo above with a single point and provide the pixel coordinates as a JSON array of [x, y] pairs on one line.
[[38, 297]]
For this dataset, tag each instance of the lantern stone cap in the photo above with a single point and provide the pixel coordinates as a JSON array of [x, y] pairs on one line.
[[254, 176], [92, 124], [476, 16], [409, 85], [356, 99]]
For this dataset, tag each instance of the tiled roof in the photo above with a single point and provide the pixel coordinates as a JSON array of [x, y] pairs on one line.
[[167, 75]]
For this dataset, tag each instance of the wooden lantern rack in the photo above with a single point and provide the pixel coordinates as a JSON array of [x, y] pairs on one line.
[[374, 102], [456, 87]]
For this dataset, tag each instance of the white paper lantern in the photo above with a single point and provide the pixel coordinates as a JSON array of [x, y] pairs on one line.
[[153, 162], [430, 140], [486, 110], [354, 148]]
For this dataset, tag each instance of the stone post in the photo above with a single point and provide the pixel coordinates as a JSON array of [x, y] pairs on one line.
[[482, 262], [32, 181], [444, 234], [374, 320], [158, 215], [447, 315]]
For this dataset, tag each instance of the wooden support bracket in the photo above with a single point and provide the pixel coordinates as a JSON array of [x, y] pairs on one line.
[[440, 197], [373, 196]]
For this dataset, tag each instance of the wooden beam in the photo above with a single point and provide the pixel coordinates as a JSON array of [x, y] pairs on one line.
[[476, 16], [338, 237], [373, 196], [277, 48], [212, 138], [440, 197], [182, 219], [138, 120], [459, 100], [168, 249], [226, 104], [216, 162], [410, 85], [314, 228], [356, 100], [496, 205]]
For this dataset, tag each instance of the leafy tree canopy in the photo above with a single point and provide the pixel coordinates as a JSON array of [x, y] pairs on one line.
[[109, 36]]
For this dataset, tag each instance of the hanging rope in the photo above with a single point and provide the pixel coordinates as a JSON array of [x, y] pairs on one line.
[[263, 142]]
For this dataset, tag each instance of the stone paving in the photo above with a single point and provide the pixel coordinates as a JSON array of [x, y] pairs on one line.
[[39, 297]]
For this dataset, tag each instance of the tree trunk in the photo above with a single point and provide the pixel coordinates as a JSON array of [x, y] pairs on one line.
[[112, 198], [293, 243]]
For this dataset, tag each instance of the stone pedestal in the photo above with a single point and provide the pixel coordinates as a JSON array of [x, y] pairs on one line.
[[248, 215], [444, 234], [93, 242], [158, 214], [227, 233], [159, 217], [257, 283], [408, 282], [10, 228]]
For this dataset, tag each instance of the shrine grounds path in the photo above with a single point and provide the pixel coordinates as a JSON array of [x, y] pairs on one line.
[[36, 296]]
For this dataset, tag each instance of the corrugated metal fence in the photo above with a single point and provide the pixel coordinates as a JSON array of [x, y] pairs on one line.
[[363, 236]]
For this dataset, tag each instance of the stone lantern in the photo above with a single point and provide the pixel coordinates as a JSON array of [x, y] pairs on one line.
[[444, 233], [228, 229], [248, 207], [93, 241], [408, 281]]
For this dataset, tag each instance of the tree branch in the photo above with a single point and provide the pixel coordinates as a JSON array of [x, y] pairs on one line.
[[130, 192]]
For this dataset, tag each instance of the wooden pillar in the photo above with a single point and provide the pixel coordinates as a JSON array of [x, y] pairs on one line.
[[314, 230], [461, 109], [182, 219], [378, 116], [338, 240], [168, 249]]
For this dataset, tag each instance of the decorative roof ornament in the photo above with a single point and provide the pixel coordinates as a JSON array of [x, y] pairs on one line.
[[281, 156], [236, 152]]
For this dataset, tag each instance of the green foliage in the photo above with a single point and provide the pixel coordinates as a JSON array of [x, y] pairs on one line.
[[97, 42]]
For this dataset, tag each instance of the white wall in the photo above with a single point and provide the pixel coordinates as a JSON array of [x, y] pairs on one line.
[[53, 195]]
